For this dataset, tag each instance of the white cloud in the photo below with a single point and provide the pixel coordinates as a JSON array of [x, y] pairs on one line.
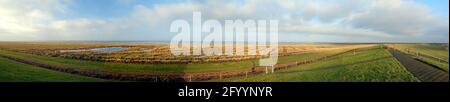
[[35, 20], [398, 17], [23, 18], [386, 20], [378, 20], [334, 30]]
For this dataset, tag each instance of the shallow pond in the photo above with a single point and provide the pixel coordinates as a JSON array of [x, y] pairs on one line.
[[105, 49]]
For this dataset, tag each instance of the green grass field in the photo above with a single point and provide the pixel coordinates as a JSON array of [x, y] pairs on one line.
[[434, 50], [375, 65], [366, 66], [11, 71], [161, 68]]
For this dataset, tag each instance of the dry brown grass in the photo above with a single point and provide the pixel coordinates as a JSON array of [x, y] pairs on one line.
[[154, 53]]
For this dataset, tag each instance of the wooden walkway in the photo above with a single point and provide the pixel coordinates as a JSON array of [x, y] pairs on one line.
[[424, 72]]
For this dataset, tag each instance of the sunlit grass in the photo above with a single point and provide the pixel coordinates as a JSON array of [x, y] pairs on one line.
[[367, 66], [11, 71]]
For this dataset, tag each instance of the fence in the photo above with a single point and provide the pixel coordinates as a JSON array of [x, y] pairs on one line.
[[174, 76], [417, 53], [221, 75]]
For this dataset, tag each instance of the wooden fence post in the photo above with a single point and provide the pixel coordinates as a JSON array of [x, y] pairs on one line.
[[220, 75], [246, 73], [267, 70], [417, 53]]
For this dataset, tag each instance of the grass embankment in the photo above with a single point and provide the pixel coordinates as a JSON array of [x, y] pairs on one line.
[[430, 49], [11, 71], [366, 66]]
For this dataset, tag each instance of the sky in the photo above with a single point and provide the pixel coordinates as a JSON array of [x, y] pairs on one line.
[[299, 20]]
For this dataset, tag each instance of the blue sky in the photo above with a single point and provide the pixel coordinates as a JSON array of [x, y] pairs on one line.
[[440, 7], [108, 8], [300, 21]]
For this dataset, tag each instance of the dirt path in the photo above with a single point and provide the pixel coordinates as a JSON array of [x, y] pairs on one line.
[[424, 72]]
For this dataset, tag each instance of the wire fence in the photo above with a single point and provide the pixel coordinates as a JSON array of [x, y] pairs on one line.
[[418, 53], [160, 77]]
